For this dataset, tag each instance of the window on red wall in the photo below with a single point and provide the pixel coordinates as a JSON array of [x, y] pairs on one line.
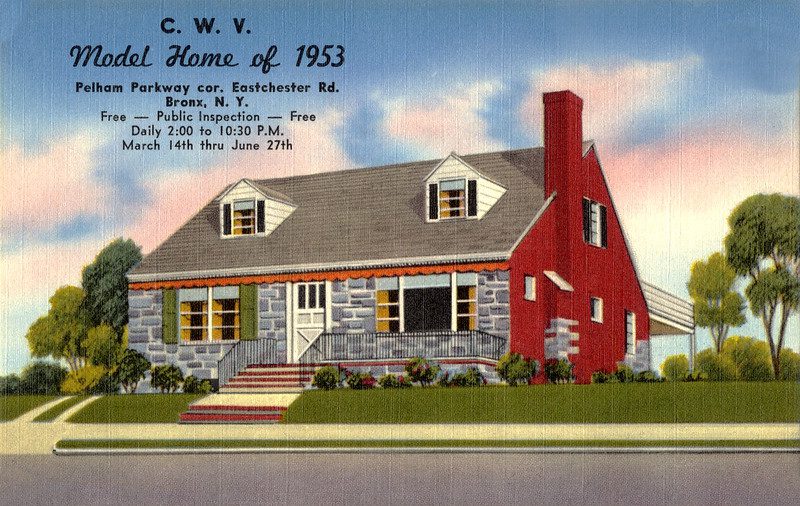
[[630, 333], [594, 223]]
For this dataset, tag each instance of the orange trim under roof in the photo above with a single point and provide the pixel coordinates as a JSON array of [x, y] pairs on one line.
[[320, 276]]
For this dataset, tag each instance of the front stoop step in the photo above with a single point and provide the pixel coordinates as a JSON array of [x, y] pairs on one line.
[[270, 378], [232, 414]]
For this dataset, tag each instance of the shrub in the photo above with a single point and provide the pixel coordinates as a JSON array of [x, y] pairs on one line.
[[422, 372], [751, 357], [696, 376], [83, 380], [42, 378], [131, 370], [624, 373], [107, 384], [166, 378], [513, 368], [326, 378], [604, 377], [717, 367], [472, 377], [444, 380], [9, 384], [192, 385], [647, 377], [361, 381], [675, 368], [558, 370], [393, 381], [790, 365]]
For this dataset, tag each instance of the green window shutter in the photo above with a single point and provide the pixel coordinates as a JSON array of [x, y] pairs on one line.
[[169, 316], [248, 312]]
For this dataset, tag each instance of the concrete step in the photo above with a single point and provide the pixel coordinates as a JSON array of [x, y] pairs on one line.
[[261, 389]]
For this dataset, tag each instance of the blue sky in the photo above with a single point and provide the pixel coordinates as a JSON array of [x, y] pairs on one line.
[[694, 106]]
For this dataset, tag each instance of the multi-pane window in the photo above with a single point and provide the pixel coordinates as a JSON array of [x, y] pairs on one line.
[[387, 310], [452, 199], [209, 313], [244, 217], [311, 295], [225, 313], [466, 302], [594, 223], [194, 314], [596, 309], [630, 333]]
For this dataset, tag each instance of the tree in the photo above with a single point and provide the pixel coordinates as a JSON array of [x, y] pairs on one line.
[[106, 286], [131, 370], [763, 245], [716, 306], [61, 333], [103, 346], [41, 377]]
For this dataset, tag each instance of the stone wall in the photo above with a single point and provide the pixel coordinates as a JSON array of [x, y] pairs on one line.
[[272, 315], [641, 360], [353, 306], [559, 340], [494, 311]]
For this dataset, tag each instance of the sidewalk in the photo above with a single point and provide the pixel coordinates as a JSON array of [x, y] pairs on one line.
[[19, 437]]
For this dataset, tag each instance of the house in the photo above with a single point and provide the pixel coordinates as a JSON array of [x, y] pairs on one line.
[[459, 259]]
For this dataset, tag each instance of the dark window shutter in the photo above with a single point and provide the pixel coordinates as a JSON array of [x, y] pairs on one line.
[[248, 312], [433, 201], [226, 219], [587, 219], [169, 316], [260, 216], [603, 227], [472, 198]]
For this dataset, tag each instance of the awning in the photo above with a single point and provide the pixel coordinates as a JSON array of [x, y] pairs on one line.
[[669, 314]]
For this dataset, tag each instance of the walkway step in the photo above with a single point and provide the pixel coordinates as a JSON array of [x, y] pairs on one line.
[[230, 418]]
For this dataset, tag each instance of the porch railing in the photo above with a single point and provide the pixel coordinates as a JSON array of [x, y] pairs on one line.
[[244, 353], [330, 347]]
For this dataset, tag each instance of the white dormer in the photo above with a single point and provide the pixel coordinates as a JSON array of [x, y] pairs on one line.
[[456, 190], [247, 208]]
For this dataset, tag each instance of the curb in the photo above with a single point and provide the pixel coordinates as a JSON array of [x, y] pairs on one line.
[[71, 452]]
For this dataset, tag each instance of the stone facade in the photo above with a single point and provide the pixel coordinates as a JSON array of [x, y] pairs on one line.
[[272, 316], [641, 360], [145, 336], [353, 306], [494, 310], [559, 340]]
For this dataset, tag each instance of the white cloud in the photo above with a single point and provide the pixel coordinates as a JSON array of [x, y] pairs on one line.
[[445, 121]]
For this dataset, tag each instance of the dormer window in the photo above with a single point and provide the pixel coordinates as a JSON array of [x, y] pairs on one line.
[[455, 189], [453, 198], [250, 208], [243, 217]]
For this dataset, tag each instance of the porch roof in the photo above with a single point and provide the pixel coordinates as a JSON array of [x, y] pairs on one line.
[[669, 314]]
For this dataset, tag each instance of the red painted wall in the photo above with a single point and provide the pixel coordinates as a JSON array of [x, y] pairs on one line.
[[556, 243]]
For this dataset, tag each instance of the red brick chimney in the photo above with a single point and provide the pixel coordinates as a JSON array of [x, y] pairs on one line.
[[563, 138]]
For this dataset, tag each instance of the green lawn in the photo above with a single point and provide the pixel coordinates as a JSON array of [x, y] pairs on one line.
[[123, 444], [138, 408], [11, 406], [52, 413], [607, 403]]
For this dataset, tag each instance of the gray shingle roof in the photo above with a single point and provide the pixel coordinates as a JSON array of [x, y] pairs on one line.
[[358, 215]]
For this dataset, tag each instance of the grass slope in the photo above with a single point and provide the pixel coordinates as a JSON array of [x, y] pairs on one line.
[[608, 403], [52, 413], [138, 408], [122, 444], [11, 406]]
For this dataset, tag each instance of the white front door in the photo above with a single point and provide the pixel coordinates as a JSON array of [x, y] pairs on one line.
[[309, 315]]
